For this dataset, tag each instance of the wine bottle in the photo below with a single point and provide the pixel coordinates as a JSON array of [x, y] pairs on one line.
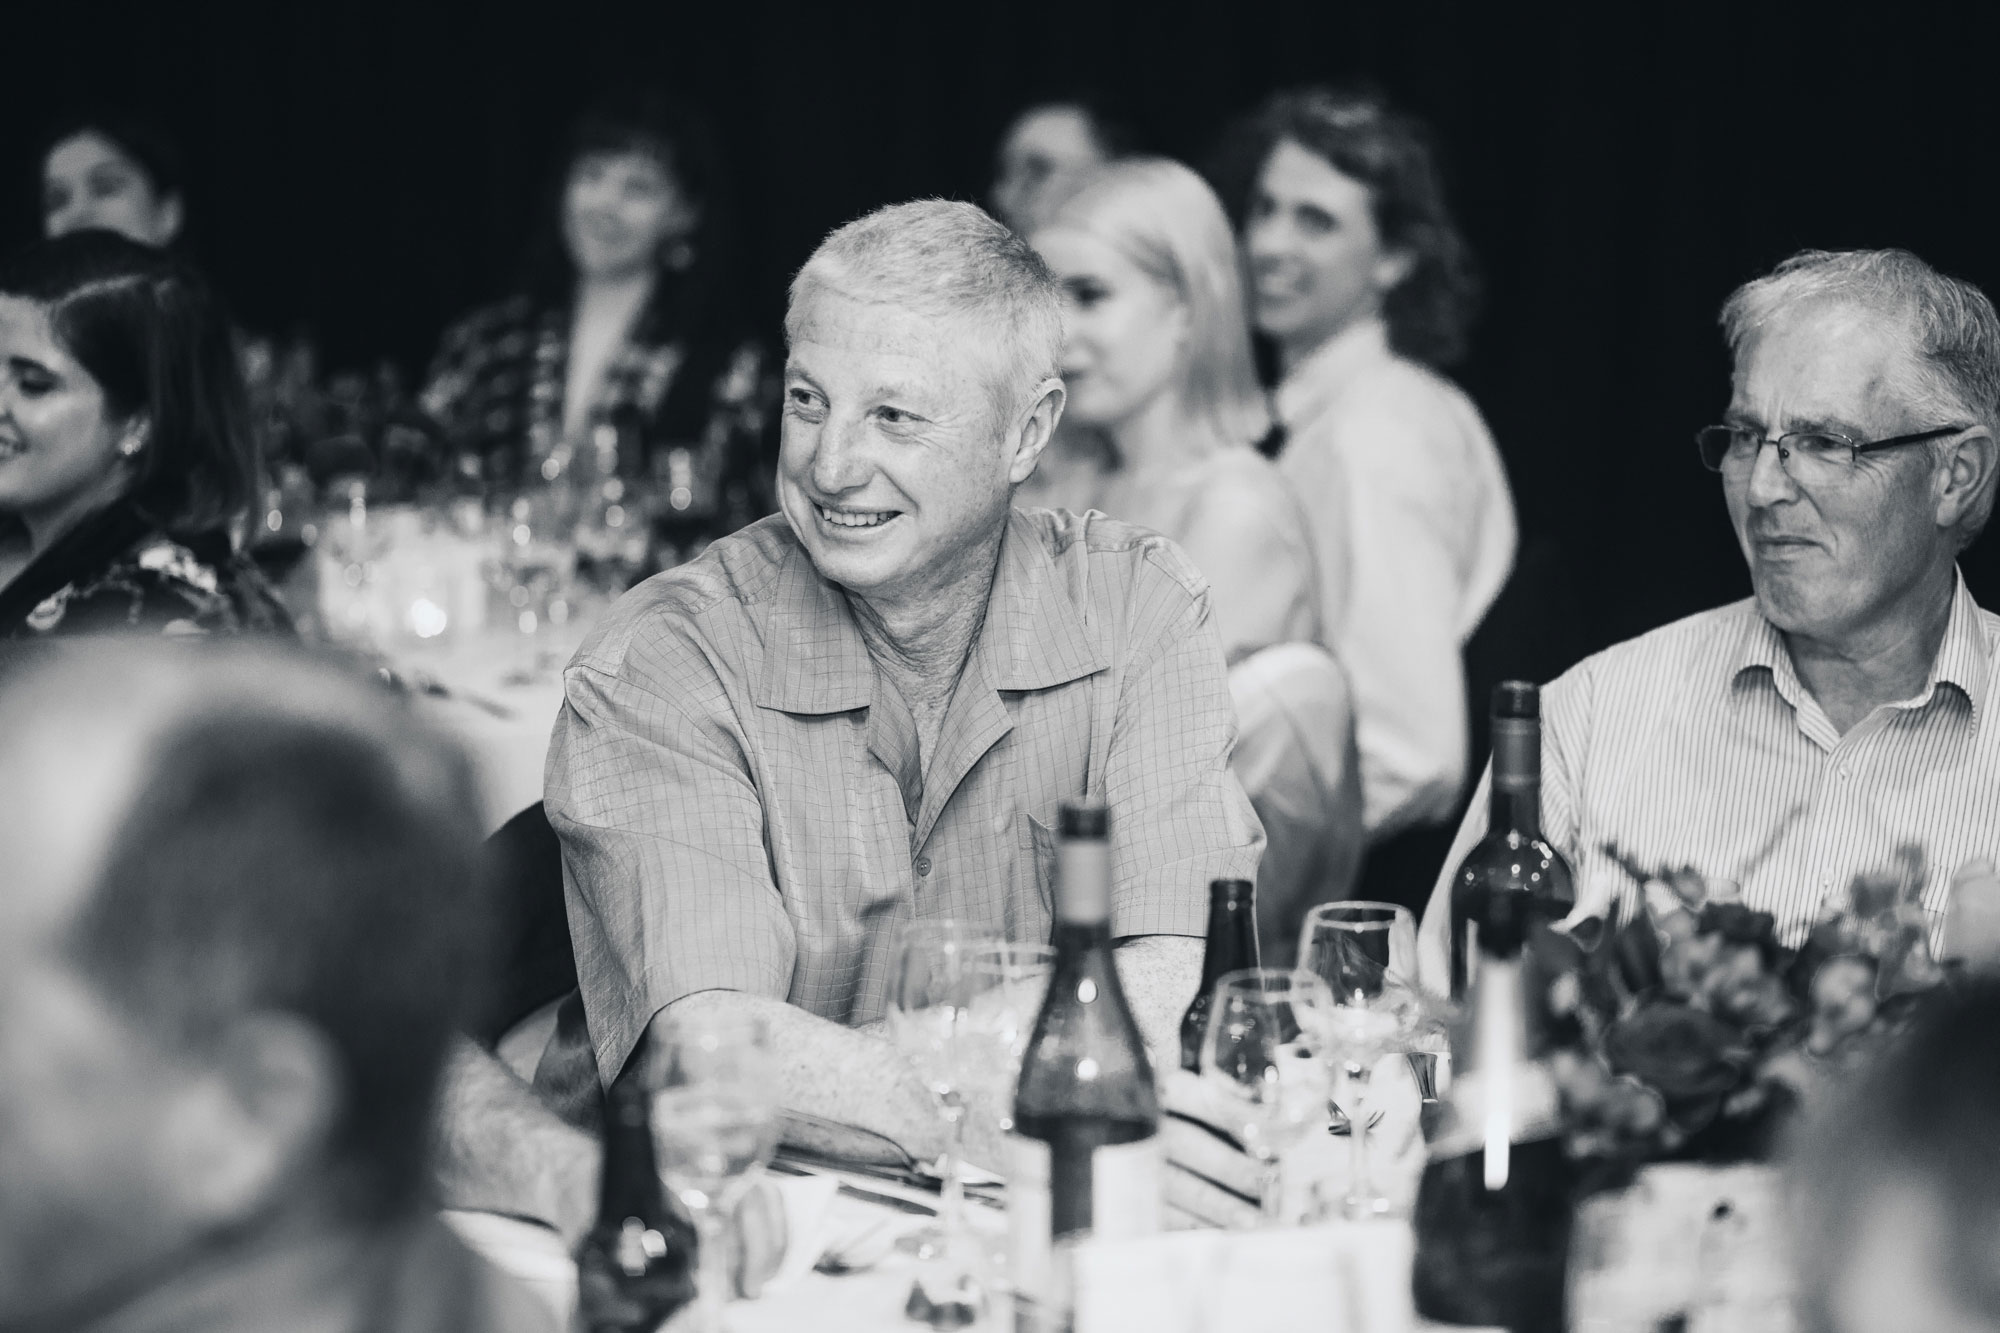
[[1494, 1204], [1513, 857], [1084, 1153], [635, 1267], [1232, 946]]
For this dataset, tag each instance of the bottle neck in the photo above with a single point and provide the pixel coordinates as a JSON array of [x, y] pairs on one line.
[[630, 1183], [1517, 776], [1232, 939], [1083, 882]]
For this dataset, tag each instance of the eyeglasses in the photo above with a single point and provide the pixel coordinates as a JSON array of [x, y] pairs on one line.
[[1803, 454]]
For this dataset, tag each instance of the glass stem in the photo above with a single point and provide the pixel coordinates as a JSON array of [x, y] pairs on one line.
[[1272, 1205], [1360, 1202], [712, 1291], [951, 1190]]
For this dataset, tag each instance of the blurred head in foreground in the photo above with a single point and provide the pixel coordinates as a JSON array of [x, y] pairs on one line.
[[1900, 1187], [232, 950]]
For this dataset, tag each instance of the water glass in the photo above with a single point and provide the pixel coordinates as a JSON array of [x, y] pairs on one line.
[[715, 1126], [1262, 1054]]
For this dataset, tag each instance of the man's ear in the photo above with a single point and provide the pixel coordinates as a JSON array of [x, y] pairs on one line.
[[1965, 485], [1036, 430], [259, 1121]]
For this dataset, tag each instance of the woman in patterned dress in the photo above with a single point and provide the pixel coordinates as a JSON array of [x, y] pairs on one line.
[[624, 357], [126, 459]]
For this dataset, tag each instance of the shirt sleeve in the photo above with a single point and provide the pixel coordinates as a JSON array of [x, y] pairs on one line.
[[668, 885], [1565, 731], [1179, 817]]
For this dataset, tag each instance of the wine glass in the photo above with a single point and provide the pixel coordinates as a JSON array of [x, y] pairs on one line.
[[715, 1126], [1261, 1052], [929, 1003], [1364, 952], [534, 569], [1007, 985]]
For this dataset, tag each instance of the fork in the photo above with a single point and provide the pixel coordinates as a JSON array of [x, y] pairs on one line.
[[860, 1251]]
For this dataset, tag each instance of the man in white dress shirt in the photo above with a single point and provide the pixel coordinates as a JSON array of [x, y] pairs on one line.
[[1362, 282], [1798, 737]]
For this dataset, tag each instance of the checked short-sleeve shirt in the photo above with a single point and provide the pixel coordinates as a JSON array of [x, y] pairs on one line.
[[742, 805]]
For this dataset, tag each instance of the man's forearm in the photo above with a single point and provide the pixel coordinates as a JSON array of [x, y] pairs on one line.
[[498, 1148], [1159, 974], [838, 1075]]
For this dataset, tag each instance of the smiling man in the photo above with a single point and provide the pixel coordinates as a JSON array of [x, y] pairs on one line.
[[1790, 740], [862, 712]]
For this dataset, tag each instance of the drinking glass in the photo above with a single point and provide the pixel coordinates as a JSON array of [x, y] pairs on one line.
[[1364, 952], [929, 1009], [534, 569], [1261, 1052], [715, 1126], [1007, 985]]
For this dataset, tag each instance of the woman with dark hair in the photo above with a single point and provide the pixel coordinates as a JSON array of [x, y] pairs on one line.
[[1363, 286], [623, 354], [125, 449], [106, 168]]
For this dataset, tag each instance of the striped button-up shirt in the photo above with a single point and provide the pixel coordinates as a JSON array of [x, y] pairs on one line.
[[742, 804], [1698, 744]]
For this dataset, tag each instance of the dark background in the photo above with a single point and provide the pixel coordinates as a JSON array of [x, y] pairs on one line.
[[365, 170]]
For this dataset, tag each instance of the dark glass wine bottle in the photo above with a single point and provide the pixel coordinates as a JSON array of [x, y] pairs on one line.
[[1494, 1205], [1085, 1150], [1232, 946], [1513, 858], [635, 1267]]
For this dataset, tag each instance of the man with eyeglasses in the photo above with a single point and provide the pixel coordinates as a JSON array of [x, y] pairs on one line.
[[1790, 740]]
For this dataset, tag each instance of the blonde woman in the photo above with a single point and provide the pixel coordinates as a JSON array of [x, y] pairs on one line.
[[1157, 363]]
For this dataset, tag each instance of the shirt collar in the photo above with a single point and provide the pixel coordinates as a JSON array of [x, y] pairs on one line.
[[1963, 660], [1331, 367], [815, 660]]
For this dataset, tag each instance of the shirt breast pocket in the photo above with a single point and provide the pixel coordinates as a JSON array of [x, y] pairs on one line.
[[1042, 843]]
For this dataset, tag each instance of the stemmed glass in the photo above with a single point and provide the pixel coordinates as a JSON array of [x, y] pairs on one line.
[[1007, 985], [1363, 951], [535, 567], [715, 1127], [929, 1008], [1261, 1052]]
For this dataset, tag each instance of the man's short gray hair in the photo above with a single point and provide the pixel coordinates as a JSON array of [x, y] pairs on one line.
[[947, 259], [1954, 332]]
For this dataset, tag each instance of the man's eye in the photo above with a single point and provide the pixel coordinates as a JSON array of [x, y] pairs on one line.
[[895, 416], [803, 400], [34, 383], [1818, 446], [1262, 206]]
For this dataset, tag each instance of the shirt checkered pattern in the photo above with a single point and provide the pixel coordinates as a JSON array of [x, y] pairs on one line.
[[1698, 744], [738, 790]]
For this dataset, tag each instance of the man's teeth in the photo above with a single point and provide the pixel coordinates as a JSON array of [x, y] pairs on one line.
[[871, 519]]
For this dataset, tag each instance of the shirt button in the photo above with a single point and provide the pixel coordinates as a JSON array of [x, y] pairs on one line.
[[1844, 773], [923, 865]]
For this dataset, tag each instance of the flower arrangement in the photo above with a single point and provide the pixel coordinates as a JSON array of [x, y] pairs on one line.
[[1684, 1030]]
